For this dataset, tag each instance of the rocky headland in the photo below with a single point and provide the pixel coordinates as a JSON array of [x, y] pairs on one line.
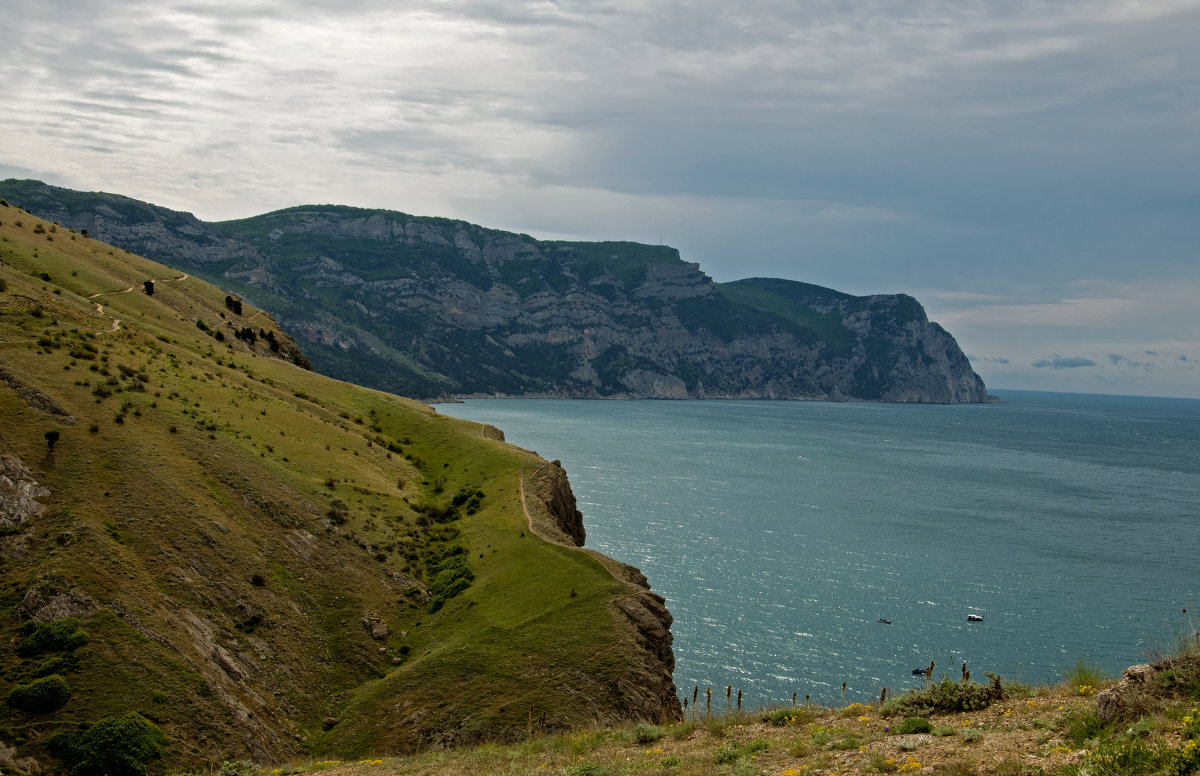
[[433, 308]]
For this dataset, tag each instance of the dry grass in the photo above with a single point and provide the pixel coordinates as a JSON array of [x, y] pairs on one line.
[[1013, 736]]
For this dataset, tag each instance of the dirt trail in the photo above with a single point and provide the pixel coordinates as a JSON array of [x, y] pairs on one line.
[[116, 324]]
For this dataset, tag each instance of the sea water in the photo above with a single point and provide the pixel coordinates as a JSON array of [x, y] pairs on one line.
[[781, 533]]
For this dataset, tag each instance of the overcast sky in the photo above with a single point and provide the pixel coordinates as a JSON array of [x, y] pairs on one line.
[[1030, 171]]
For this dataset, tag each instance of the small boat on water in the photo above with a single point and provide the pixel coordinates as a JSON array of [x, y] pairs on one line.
[[885, 622], [975, 618]]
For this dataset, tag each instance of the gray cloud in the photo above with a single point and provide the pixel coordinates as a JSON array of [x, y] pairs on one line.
[[869, 146], [1061, 362], [1118, 360]]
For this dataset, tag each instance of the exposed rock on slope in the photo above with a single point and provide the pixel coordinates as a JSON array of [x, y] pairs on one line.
[[431, 307]]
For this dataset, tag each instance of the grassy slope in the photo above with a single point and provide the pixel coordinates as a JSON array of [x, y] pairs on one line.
[[230, 607], [1053, 730]]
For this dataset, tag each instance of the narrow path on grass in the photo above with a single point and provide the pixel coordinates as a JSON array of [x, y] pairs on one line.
[[116, 324]]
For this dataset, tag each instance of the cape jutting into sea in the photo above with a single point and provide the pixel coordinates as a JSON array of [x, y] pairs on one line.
[[783, 533]]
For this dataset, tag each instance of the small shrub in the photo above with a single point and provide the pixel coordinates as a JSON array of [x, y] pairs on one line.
[[587, 769], [41, 695], [681, 731], [744, 767], [755, 746], [645, 733], [1083, 726], [58, 636], [821, 735], [1129, 757], [725, 754], [453, 576], [238, 768], [114, 746], [338, 512], [56, 665], [945, 697], [788, 716], [913, 725]]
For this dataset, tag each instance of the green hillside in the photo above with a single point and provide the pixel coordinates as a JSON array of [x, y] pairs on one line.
[[266, 562]]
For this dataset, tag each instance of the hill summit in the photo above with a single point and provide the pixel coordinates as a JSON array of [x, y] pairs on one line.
[[265, 563], [432, 307]]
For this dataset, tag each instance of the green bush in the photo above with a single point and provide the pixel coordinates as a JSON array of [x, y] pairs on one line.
[[59, 664], [238, 768], [645, 733], [914, 725], [40, 695], [944, 697], [587, 769], [60, 635], [1083, 726], [114, 746], [453, 575]]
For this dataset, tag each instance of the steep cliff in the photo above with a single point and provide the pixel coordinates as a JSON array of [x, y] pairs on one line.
[[430, 307]]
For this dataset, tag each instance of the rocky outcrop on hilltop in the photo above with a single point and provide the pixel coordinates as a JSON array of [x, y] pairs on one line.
[[431, 307]]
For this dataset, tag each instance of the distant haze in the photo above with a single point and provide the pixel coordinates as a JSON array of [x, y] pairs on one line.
[[1030, 172]]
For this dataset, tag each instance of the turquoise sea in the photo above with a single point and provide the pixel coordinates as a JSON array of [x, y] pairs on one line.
[[781, 532]]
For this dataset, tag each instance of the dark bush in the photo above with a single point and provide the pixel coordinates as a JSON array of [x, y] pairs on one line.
[[338, 511], [945, 697], [60, 635], [453, 575], [40, 695], [116, 746]]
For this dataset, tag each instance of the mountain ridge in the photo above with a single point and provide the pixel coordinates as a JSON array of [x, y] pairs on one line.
[[434, 307]]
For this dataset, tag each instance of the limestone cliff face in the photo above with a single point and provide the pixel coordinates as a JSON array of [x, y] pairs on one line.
[[430, 307]]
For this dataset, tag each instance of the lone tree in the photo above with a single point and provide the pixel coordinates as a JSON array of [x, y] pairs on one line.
[[51, 439], [149, 284]]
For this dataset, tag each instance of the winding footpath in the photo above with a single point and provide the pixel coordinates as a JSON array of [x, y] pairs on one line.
[[116, 322]]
